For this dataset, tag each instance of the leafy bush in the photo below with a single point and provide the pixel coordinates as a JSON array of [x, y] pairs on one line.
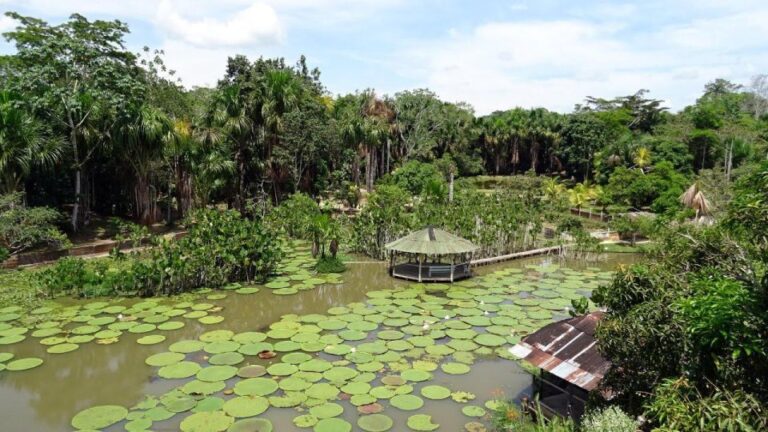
[[220, 247], [678, 406], [632, 227], [67, 275], [507, 417], [611, 419], [23, 228], [295, 216], [502, 222], [414, 177], [330, 264], [636, 189]]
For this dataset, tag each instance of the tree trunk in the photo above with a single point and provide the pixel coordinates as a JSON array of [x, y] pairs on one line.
[[450, 187], [75, 220]]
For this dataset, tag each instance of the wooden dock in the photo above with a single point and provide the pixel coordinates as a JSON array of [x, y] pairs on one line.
[[516, 255]]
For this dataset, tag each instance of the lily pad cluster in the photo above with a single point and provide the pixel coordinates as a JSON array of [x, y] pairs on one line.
[[63, 328], [393, 353], [295, 273]]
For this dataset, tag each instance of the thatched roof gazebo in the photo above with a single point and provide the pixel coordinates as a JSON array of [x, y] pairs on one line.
[[432, 255]]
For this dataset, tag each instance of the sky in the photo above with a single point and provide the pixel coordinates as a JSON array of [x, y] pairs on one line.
[[492, 54]]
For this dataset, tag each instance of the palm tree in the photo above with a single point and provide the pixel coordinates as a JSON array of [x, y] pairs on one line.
[[229, 121], [553, 190], [694, 198], [642, 158], [23, 144], [281, 92], [579, 195], [143, 137], [379, 122]]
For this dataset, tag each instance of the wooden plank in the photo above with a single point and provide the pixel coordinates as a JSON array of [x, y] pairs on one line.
[[523, 254]]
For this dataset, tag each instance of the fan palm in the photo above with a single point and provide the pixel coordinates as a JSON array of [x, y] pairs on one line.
[[695, 199], [23, 144]]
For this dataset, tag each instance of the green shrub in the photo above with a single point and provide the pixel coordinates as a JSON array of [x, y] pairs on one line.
[[611, 419], [678, 406], [415, 177], [220, 247], [23, 228], [295, 216], [330, 264]]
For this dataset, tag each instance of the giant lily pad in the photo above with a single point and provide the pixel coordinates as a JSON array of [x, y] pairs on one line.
[[421, 423], [323, 391], [186, 346], [246, 406], [256, 387], [150, 340], [62, 348], [332, 425], [23, 364], [164, 359], [455, 368], [251, 425], [473, 411], [216, 373], [326, 410], [407, 402], [99, 417], [490, 340], [435, 392], [183, 369], [375, 423], [211, 421]]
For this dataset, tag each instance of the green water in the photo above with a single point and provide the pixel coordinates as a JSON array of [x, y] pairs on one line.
[[46, 398]]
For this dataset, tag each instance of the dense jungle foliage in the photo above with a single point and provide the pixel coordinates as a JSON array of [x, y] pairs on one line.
[[92, 127], [697, 311]]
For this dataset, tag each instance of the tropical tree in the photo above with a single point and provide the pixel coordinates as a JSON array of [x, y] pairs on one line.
[[694, 198], [642, 158], [24, 143], [228, 121], [78, 76], [144, 137]]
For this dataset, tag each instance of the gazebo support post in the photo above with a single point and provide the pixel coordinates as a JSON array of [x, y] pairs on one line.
[[420, 261], [453, 264]]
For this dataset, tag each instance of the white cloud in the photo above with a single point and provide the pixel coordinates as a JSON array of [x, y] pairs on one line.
[[556, 63], [256, 24]]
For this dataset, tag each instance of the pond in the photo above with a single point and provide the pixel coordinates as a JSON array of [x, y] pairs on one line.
[[333, 344]]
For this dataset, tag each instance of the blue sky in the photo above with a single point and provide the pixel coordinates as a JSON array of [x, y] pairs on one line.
[[491, 54]]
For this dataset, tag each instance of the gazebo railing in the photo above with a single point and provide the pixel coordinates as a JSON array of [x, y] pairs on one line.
[[432, 271]]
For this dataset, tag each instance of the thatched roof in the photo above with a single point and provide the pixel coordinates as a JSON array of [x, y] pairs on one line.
[[432, 241]]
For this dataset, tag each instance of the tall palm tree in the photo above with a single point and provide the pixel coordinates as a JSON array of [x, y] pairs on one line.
[[281, 93], [143, 137], [229, 121], [23, 144], [379, 123]]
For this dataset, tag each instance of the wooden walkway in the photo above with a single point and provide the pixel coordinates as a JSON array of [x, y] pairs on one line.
[[523, 254]]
